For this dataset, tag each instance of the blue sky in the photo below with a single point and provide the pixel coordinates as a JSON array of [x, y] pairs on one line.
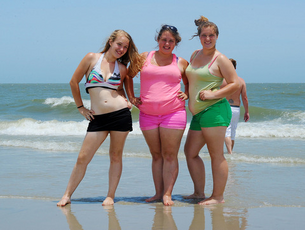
[[44, 41]]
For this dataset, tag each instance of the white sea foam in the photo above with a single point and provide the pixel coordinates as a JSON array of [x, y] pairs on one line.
[[43, 145], [28, 127], [292, 116], [264, 159], [270, 129], [64, 101], [27, 197], [31, 127]]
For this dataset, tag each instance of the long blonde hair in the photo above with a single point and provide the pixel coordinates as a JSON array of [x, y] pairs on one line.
[[132, 55]]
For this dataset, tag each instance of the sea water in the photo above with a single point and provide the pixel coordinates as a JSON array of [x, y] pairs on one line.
[[44, 116], [40, 123]]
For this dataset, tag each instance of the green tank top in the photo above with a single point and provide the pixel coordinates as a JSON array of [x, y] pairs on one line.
[[201, 79]]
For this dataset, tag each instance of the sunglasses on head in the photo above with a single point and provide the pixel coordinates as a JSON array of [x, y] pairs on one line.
[[172, 28]]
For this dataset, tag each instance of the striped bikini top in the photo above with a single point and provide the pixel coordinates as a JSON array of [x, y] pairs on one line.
[[95, 78]]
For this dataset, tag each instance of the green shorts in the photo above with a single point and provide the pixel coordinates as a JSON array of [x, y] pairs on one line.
[[219, 114]]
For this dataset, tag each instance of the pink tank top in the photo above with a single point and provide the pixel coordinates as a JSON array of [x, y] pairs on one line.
[[159, 88]]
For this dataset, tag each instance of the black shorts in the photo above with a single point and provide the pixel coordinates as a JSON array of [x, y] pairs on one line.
[[119, 120]]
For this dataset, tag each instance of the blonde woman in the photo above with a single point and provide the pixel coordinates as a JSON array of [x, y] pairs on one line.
[[109, 113]]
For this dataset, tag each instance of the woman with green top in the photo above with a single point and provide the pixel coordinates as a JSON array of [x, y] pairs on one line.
[[211, 111]]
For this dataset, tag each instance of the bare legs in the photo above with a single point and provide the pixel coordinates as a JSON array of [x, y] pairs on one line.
[[115, 170], [214, 138], [229, 145], [194, 143], [164, 146], [91, 143], [153, 141]]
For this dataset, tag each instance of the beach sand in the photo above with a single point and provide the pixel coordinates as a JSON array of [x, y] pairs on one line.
[[44, 214], [258, 196]]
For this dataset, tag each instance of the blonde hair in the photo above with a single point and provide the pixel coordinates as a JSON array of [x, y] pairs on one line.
[[132, 55], [203, 22]]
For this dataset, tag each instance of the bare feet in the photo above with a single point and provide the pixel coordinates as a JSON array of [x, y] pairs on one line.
[[194, 196], [64, 201], [154, 198], [108, 201], [167, 200], [211, 200]]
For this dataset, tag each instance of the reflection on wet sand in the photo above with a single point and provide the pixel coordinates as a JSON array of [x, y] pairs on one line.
[[71, 218], [226, 218], [198, 221], [163, 218], [221, 217], [113, 222]]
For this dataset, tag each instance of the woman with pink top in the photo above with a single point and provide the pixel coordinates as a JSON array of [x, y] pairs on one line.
[[162, 109]]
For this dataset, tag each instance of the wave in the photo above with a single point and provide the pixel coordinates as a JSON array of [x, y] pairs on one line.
[[63, 108], [263, 114], [62, 146], [257, 113], [46, 145], [32, 127], [270, 129], [264, 159], [64, 101], [27, 197]]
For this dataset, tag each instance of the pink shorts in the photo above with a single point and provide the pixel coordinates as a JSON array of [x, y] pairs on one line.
[[175, 120]]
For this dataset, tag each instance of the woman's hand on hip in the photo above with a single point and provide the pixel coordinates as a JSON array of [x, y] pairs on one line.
[[88, 114]]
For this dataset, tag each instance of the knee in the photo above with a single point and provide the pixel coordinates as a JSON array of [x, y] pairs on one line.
[[217, 157], [115, 157], [156, 156], [190, 155], [170, 156], [82, 160]]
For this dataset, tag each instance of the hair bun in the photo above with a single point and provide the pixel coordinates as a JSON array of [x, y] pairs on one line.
[[199, 21]]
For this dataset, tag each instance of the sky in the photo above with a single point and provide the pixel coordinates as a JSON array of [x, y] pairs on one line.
[[44, 41]]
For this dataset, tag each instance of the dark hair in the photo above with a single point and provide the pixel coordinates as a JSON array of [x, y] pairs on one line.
[[203, 22], [172, 29], [131, 55], [233, 62]]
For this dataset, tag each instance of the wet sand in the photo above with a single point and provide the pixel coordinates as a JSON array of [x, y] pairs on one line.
[[44, 214], [258, 195]]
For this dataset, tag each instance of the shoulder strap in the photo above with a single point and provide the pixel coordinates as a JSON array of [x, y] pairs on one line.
[[98, 63], [194, 55], [175, 59], [116, 67], [213, 60], [149, 55]]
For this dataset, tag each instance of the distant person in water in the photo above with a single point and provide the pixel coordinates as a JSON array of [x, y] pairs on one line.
[[234, 100], [109, 113]]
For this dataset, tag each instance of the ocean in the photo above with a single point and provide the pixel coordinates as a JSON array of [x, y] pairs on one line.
[[44, 117], [41, 132]]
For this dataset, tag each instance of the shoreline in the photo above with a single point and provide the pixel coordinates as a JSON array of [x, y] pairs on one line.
[[260, 193], [44, 214]]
